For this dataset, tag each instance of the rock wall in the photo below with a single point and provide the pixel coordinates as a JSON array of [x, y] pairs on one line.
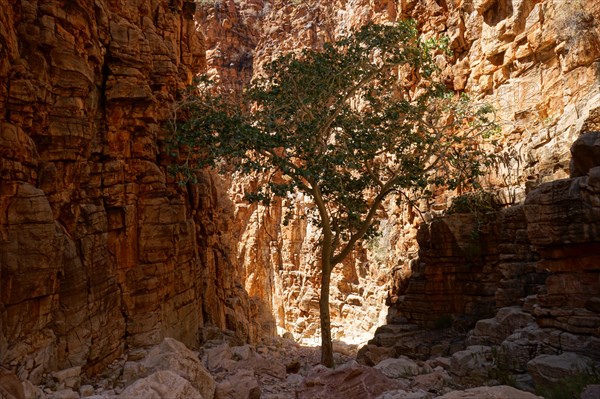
[[533, 263], [515, 54], [564, 225], [469, 265], [99, 248]]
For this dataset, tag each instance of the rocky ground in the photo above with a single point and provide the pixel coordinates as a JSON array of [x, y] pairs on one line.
[[279, 369]]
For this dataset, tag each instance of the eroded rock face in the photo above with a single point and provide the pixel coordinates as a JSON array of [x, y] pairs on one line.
[[514, 55], [552, 333], [98, 247]]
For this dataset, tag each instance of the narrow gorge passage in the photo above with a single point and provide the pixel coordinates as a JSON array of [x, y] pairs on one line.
[[110, 269]]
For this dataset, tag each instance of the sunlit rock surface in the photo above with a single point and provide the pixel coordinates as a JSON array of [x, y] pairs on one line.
[[99, 248], [101, 251]]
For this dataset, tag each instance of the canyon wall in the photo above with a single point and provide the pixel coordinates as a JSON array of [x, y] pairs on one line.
[[522, 280], [99, 248], [535, 61]]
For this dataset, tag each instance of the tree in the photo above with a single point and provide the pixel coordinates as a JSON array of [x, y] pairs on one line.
[[343, 126]]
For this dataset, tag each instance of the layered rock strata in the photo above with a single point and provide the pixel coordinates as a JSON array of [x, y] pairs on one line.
[[513, 54], [99, 249], [542, 255], [544, 265]]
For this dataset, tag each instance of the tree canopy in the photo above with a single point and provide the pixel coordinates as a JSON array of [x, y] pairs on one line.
[[348, 125]]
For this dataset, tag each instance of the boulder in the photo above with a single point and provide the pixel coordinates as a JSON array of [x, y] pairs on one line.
[[32, 391], [550, 369], [261, 366], [163, 384], [219, 357], [174, 356], [472, 363], [401, 367], [495, 330], [349, 381], [244, 352], [370, 354], [86, 391], [586, 154], [402, 394], [241, 385], [523, 345], [591, 392], [10, 386], [68, 378], [432, 382], [67, 393], [497, 392]]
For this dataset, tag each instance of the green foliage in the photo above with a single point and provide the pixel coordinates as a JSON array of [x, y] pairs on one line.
[[477, 202], [337, 125], [348, 125]]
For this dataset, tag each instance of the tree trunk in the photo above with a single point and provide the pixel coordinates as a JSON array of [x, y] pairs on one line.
[[326, 343]]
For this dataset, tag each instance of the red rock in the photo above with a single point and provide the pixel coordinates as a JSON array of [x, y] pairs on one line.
[[499, 392], [10, 386], [346, 382], [98, 250]]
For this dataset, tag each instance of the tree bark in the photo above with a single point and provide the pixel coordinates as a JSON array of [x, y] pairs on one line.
[[326, 342]]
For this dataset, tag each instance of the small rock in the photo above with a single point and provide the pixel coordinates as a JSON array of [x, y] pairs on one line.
[[86, 391]]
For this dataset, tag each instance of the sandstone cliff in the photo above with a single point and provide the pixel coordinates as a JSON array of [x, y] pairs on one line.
[[523, 280], [516, 55], [99, 249]]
